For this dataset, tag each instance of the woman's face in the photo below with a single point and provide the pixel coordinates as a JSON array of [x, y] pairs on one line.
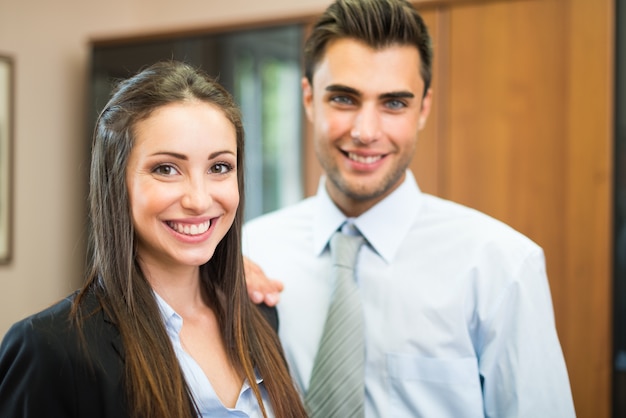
[[182, 184]]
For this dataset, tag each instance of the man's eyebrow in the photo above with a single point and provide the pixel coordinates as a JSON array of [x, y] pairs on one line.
[[340, 88], [397, 95]]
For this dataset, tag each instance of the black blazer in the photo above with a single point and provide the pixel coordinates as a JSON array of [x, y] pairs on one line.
[[46, 373]]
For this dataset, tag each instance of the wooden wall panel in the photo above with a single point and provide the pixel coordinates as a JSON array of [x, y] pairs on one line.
[[427, 162], [589, 187], [523, 128]]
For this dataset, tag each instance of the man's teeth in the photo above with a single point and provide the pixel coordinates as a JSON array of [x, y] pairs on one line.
[[190, 229], [363, 160]]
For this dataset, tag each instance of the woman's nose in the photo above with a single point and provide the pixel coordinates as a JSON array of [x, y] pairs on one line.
[[197, 196]]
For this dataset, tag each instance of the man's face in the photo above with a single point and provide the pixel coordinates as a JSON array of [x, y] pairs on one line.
[[366, 107]]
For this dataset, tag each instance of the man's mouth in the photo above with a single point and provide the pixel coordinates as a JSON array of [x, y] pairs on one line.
[[190, 229], [371, 159]]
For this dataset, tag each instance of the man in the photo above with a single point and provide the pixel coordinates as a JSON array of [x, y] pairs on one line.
[[457, 310]]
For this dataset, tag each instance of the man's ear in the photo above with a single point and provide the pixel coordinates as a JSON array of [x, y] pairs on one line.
[[425, 110], [307, 98]]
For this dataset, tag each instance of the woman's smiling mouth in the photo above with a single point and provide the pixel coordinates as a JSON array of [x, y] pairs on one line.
[[189, 229]]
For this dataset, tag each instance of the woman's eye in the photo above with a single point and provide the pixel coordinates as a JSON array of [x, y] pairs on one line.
[[220, 168], [165, 170]]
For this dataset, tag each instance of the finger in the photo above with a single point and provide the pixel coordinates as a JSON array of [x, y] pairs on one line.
[[256, 296], [271, 299]]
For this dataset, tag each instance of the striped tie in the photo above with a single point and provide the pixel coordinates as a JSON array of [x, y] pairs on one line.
[[337, 388]]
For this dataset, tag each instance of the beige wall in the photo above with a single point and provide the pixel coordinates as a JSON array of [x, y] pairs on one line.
[[49, 43]]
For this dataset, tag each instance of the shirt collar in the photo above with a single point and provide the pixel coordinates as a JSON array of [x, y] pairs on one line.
[[384, 226], [173, 321], [173, 324]]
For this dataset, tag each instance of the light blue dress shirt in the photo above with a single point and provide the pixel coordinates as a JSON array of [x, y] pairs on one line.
[[458, 313], [204, 395]]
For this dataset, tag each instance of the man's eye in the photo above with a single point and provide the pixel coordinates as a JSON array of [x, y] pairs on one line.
[[165, 170], [345, 100], [221, 168], [395, 104]]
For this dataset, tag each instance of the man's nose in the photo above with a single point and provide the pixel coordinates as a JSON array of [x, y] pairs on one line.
[[367, 126]]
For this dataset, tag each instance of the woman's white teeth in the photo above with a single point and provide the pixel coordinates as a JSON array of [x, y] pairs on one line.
[[364, 160], [190, 229]]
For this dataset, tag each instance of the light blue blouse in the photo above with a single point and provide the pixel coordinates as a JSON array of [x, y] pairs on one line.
[[204, 395]]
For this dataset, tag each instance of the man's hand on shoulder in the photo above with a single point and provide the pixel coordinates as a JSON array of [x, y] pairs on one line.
[[260, 287]]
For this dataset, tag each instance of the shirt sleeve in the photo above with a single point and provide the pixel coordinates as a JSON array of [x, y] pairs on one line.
[[521, 363]]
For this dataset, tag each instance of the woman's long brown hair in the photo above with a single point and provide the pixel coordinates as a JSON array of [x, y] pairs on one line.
[[154, 382]]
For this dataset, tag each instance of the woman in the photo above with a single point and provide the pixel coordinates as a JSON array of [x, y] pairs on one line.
[[163, 326]]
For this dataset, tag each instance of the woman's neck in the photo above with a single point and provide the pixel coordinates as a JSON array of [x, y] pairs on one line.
[[179, 287]]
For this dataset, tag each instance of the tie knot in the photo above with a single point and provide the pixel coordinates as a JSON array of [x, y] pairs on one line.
[[344, 249]]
